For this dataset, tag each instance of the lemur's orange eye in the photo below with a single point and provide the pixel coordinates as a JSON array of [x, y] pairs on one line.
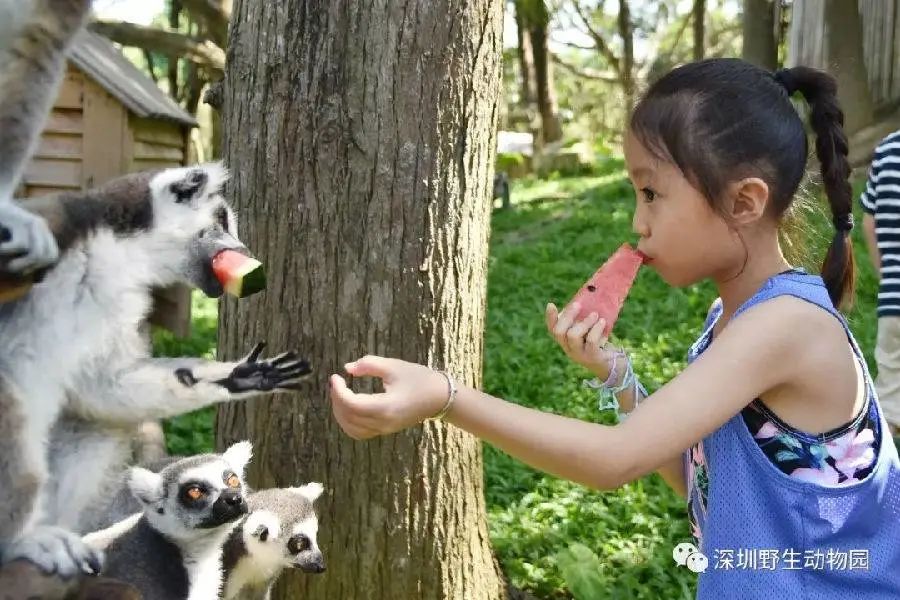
[[194, 493], [233, 481]]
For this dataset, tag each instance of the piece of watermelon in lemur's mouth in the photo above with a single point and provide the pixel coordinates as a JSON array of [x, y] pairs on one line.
[[239, 274]]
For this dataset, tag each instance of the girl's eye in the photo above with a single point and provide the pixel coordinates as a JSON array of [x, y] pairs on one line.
[[649, 194]]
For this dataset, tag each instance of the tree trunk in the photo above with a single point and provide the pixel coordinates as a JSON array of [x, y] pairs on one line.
[[758, 27], [844, 53], [698, 16], [174, 20], [362, 138], [551, 128], [526, 62], [626, 31]]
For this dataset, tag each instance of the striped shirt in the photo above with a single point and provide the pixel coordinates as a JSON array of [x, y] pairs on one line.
[[881, 198]]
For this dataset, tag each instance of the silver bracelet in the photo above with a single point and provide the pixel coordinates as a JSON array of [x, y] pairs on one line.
[[451, 396]]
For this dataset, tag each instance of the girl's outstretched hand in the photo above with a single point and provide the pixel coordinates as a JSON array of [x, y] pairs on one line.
[[582, 341], [412, 393]]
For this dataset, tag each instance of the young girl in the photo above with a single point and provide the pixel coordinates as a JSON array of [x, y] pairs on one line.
[[773, 430]]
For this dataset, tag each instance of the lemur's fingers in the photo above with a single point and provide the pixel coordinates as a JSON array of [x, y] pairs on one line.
[[254, 354], [27, 242], [283, 357], [300, 370], [56, 551]]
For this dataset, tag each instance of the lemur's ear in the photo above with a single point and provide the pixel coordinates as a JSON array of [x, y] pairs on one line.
[[311, 491], [238, 455], [146, 486]]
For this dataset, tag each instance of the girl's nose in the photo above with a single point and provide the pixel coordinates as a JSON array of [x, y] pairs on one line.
[[639, 222]]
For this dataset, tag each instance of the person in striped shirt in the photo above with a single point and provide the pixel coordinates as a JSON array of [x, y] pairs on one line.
[[881, 228]]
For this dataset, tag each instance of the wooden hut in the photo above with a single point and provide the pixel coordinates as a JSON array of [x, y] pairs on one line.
[[110, 119]]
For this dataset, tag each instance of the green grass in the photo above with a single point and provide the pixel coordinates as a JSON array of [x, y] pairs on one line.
[[554, 538]]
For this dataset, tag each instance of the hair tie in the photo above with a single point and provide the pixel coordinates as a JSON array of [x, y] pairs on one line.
[[843, 223], [788, 81]]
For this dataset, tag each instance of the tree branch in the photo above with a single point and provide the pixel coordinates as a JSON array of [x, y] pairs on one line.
[[602, 46], [151, 67], [169, 43], [213, 15], [584, 72]]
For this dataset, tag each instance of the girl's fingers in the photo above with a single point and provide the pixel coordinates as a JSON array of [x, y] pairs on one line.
[[551, 314], [575, 334], [370, 366], [565, 321], [351, 403], [595, 337]]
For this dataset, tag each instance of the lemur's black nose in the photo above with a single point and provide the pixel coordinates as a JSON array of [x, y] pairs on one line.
[[232, 498]]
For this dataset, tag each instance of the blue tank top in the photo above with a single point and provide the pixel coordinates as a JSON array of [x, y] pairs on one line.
[[766, 534]]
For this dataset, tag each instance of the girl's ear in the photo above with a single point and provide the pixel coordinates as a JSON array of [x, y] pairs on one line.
[[749, 199]]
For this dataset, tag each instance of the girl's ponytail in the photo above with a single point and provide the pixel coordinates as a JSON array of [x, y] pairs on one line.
[[827, 120]]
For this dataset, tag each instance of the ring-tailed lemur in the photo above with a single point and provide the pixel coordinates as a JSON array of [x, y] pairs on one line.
[[280, 533], [35, 37], [74, 346], [172, 549]]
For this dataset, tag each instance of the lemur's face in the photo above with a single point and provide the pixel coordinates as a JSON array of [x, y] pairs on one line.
[[197, 493], [281, 531], [188, 204]]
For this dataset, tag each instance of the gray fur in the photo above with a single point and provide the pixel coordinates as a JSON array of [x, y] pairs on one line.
[[76, 364], [172, 549], [35, 38]]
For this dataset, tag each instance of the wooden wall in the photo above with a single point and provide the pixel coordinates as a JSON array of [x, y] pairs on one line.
[[881, 43], [90, 138]]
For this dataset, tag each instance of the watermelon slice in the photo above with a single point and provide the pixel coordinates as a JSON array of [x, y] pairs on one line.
[[604, 293], [239, 274]]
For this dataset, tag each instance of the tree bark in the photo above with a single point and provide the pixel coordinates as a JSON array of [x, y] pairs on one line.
[[698, 17], [758, 27], [844, 53], [362, 139]]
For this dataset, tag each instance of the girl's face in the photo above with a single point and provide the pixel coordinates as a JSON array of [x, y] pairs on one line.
[[684, 239]]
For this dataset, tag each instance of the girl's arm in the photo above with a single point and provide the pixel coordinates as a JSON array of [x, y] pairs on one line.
[[753, 354]]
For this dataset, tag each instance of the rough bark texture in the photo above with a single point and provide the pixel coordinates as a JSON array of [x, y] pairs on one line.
[[844, 53], [758, 26], [361, 138]]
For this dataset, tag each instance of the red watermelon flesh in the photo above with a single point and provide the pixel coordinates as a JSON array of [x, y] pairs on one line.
[[239, 274], [604, 293]]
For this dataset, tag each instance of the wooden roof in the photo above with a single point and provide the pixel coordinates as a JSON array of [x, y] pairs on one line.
[[101, 60]]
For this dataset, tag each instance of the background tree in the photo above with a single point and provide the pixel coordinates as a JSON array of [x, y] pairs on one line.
[[760, 44], [362, 140]]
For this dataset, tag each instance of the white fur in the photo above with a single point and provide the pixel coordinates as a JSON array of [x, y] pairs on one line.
[[311, 491], [103, 538], [238, 455]]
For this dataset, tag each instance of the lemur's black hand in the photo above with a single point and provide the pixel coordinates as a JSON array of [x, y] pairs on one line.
[[284, 372]]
